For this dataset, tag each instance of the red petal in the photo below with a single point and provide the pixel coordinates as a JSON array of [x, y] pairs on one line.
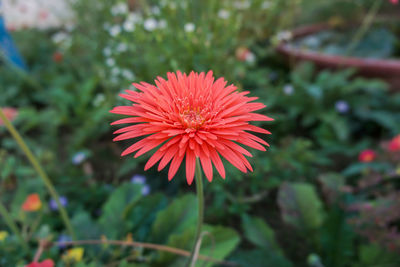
[[190, 165], [207, 167]]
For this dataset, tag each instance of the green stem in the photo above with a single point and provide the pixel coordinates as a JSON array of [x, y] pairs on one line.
[[366, 24], [36, 165], [11, 224], [200, 204]]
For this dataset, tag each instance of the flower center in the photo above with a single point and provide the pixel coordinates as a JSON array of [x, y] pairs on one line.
[[192, 119]]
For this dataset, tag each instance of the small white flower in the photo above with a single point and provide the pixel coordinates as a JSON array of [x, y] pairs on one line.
[[288, 89], [155, 10], [128, 74], [150, 24], [70, 26], [115, 71], [163, 3], [122, 47], [189, 27], [129, 26], [59, 37], [115, 30], [134, 17], [241, 4], [120, 8], [114, 80], [284, 36], [98, 99], [223, 14], [250, 57], [78, 158], [266, 5], [106, 26], [162, 24], [107, 51], [110, 62], [172, 5]]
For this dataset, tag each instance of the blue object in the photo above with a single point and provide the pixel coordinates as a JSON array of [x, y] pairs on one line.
[[8, 48]]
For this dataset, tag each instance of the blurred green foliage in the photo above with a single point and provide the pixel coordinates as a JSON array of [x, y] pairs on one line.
[[305, 204]]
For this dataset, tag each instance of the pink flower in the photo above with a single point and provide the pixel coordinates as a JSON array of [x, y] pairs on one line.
[[192, 116], [11, 114], [367, 155], [394, 2], [394, 144]]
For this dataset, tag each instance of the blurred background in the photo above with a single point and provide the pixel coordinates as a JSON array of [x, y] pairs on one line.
[[325, 194]]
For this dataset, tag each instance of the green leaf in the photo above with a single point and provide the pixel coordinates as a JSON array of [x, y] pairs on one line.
[[111, 221], [337, 239], [260, 258], [84, 226], [257, 231], [375, 255], [177, 217], [217, 243], [300, 205], [142, 214]]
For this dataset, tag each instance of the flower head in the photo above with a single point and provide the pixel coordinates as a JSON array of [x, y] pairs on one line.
[[150, 24], [79, 157], [61, 239], [244, 54], [3, 235], [342, 106], [288, 89], [191, 116], [138, 179], [53, 204], [73, 254], [394, 144], [11, 114], [190, 27], [32, 203], [141, 179], [394, 2], [58, 57], [367, 155], [45, 263]]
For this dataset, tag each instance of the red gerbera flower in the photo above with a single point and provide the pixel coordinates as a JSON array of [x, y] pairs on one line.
[[367, 155], [45, 263], [394, 144], [191, 116]]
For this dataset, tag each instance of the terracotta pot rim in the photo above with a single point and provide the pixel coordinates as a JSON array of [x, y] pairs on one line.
[[369, 66]]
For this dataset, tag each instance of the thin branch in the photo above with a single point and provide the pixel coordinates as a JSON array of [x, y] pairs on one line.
[[172, 250]]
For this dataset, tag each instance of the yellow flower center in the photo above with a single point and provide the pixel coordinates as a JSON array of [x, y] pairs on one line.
[[192, 118]]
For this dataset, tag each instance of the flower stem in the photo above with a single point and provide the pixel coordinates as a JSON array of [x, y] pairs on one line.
[[200, 203], [367, 22], [11, 224], [36, 165]]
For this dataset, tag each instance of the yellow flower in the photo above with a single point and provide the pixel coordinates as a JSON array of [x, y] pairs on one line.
[[398, 170], [335, 21], [129, 238], [104, 239], [73, 254], [3, 235]]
